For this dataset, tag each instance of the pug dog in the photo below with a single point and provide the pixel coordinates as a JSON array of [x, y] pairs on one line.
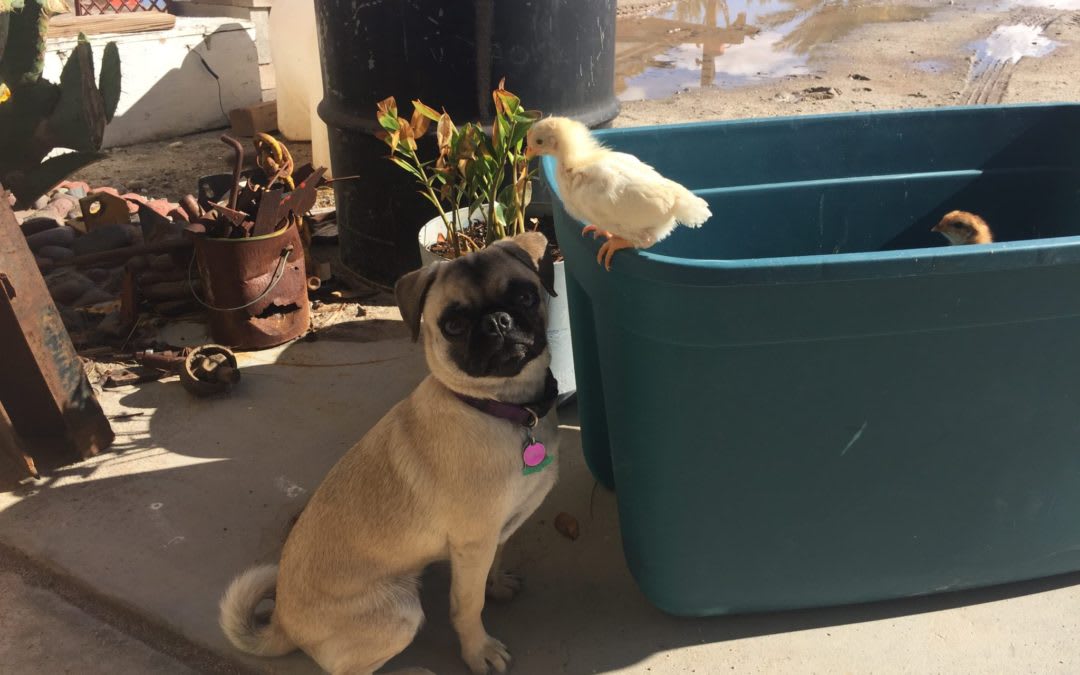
[[448, 474]]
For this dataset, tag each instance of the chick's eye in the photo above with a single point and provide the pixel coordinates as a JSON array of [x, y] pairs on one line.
[[539, 141], [454, 327]]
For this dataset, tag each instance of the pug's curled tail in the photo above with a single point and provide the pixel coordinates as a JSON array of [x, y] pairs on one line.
[[238, 618]]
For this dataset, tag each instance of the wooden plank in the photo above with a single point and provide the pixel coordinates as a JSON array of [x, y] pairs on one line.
[[254, 118], [69, 25]]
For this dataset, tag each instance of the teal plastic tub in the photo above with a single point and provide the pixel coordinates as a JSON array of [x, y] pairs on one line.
[[812, 400]]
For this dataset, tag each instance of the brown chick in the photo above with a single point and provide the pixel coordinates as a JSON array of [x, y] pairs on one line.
[[961, 227]]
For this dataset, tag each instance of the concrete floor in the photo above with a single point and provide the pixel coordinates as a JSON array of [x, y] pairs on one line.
[[44, 635], [198, 490]]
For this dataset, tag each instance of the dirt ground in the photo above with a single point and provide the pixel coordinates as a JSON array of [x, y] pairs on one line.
[[915, 53], [928, 62]]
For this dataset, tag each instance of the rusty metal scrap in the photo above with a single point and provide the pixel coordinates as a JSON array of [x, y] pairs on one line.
[[44, 388], [255, 207], [209, 369], [102, 208]]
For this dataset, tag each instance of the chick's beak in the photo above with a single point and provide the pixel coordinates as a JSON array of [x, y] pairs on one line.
[[530, 152], [936, 228]]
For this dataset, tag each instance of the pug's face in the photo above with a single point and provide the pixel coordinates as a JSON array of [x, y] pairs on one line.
[[484, 315]]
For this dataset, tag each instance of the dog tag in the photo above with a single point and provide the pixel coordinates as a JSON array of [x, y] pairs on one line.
[[534, 456]]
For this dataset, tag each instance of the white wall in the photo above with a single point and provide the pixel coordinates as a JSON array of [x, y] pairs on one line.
[[165, 90]]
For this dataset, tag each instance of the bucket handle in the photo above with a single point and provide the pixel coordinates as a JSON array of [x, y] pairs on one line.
[[279, 272]]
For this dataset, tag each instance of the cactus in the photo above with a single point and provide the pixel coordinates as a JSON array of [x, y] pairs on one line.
[[38, 116]]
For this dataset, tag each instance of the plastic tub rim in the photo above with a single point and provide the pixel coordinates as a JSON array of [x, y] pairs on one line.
[[832, 266]]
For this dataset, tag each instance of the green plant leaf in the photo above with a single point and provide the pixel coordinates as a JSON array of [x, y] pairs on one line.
[[408, 167], [426, 111], [505, 102]]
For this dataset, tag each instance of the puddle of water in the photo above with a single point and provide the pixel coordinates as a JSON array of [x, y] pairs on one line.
[[700, 43], [931, 66], [1039, 4], [1009, 44]]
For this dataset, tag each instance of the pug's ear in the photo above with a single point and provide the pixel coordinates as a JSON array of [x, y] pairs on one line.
[[531, 250], [410, 291]]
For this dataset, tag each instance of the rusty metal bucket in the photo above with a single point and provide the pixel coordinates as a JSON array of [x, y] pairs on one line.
[[255, 288]]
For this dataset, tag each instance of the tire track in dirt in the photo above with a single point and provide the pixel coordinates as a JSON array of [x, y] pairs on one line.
[[988, 78]]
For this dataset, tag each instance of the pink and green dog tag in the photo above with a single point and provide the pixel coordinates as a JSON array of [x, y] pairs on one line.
[[534, 456]]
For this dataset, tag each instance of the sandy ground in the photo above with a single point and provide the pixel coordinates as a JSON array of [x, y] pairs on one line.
[[889, 55]]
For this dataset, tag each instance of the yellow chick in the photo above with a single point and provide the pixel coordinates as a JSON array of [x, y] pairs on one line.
[[961, 227], [615, 194]]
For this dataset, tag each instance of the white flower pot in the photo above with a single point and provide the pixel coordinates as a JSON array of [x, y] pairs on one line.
[[558, 330]]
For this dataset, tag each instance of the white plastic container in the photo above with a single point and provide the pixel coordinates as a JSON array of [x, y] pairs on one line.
[[294, 46]]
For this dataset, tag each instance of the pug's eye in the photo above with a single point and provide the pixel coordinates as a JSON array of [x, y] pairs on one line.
[[455, 326], [526, 298]]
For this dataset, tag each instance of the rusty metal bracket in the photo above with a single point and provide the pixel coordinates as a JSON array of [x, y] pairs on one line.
[[44, 388]]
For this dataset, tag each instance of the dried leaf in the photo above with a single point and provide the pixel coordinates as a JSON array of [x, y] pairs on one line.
[[444, 131], [420, 124], [387, 106], [505, 102], [567, 526]]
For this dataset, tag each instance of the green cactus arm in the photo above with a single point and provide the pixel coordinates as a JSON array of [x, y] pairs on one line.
[[109, 79], [25, 46], [49, 173], [78, 121], [20, 120]]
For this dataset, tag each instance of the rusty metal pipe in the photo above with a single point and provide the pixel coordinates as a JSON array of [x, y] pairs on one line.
[[238, 166], [191, 207]]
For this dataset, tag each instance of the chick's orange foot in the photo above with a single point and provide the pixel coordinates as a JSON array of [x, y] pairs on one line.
[[608, 248], [596, 231]]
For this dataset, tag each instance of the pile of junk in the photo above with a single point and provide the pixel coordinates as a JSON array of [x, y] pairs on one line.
[[237, 254]]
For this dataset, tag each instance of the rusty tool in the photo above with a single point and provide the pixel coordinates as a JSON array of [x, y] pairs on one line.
[[238, 167], [266, 218], [209, 369], [191, 207], [205, 370]]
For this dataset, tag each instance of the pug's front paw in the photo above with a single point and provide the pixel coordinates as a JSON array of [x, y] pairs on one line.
[[488, 655]]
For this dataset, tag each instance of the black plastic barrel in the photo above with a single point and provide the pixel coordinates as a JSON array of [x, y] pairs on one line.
[[557, 55]]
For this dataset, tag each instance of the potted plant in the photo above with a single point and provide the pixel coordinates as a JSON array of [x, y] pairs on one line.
[[481, 186]]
